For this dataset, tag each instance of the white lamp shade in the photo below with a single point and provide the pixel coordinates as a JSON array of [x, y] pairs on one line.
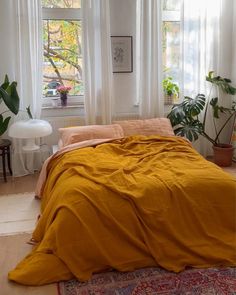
[[29, 130], [32, 128]]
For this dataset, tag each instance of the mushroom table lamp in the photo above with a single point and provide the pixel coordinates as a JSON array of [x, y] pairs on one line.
[[29, 130]]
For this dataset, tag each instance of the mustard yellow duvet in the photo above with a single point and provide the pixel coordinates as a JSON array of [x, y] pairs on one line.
[[135, 202]]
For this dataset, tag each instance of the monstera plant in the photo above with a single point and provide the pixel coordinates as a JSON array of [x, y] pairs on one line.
[[189, 117], [8, 96]]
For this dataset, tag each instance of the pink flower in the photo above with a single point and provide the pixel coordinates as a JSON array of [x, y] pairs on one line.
[[63, 89]]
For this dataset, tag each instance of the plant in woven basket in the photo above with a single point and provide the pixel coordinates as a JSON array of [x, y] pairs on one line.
[[171, 90]]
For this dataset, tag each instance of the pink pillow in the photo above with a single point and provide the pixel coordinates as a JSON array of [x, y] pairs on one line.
[[80, 133], [156, 126]]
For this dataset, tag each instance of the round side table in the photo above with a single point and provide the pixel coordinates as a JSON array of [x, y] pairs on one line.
[[6, 155]]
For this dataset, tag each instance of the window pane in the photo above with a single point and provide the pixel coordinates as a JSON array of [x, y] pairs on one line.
[[171, 53], [61, 3], [171, 4], [62, 56], [171, 50]]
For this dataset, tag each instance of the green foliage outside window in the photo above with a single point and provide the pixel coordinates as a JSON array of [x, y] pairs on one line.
[[62, 51]]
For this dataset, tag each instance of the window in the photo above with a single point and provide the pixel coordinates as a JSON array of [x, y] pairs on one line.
[[171, 44], [62, 60]]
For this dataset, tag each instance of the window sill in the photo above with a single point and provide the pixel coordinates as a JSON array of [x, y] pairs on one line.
[[50, 107], [72, 109]]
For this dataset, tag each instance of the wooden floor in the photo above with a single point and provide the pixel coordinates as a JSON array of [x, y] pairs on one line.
[[14, 247], [231, 169], [15, 185], [18, 214]]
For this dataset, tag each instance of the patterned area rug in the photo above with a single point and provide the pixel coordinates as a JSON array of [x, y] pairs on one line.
[[155, 281]]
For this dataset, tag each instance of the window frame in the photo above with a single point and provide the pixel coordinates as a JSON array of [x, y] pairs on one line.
[[74, 14]]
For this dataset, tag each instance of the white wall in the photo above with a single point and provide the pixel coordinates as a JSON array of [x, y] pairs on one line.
[[123, 23], [226, 46], [7, 40], [6, 45], [228, 58], [233, 59]]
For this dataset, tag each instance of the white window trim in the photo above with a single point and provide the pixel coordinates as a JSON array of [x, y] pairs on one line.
[[62, 14], [75, 100]]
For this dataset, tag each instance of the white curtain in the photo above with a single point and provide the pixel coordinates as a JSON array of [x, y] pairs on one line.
[[97, 69], [29, 53], [28, 73], [149, 58], [207, 43]]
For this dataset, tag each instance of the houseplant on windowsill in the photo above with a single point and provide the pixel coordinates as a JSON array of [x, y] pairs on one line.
[[63, 90], [171, 90], [189, 117], [8, 95]]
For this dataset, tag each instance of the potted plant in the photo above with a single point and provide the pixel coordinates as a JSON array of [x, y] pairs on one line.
[[188, 118], [63, 90], [8, 95], [171, 90]]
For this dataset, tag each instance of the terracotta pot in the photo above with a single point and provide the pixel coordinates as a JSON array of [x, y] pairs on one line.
[[223, 154]]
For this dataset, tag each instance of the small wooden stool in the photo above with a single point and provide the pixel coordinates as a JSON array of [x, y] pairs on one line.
[[5, 152]]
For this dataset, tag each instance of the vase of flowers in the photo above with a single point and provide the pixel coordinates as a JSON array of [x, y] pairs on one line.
[[63, 90]]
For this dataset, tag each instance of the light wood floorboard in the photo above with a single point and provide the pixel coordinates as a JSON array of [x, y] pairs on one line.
[[15, 185], [18, 214], [13, 248]]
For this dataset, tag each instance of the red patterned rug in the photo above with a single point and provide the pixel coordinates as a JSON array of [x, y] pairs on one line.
[[156, 281]]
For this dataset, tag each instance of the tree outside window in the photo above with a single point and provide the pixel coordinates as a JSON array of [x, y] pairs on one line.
[[62, 46]]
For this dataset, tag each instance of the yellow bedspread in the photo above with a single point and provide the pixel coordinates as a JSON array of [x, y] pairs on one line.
[[139, 201]]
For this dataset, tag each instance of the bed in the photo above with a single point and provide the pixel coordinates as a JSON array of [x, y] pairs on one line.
[[135, 197]]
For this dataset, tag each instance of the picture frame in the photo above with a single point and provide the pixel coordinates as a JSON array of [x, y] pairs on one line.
[[122, 54]]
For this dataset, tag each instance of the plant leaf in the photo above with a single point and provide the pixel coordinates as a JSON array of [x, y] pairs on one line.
[[6, 80], [176, 115], [194, 106], [190, 130], [222, 83], [214, 101], [29, 112], [3, 124], [5, 83], [10, 97], [210, 75]]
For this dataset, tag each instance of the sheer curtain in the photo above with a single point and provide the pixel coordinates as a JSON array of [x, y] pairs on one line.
[[29, 55], [206, 46], [98, 77], [28, 73], [149, 58]]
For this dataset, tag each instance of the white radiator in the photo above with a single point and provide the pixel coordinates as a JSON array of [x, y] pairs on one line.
[[60, 122]]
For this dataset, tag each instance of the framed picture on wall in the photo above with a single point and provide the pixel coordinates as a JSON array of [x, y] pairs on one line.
[[122, 54]]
